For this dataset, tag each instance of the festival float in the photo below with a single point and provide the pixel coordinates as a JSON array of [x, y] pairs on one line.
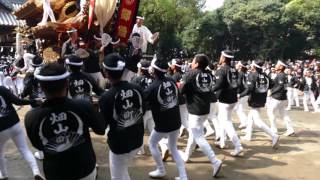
[[49, 21]]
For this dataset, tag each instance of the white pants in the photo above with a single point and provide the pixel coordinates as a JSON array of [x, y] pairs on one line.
[[91, 176], [254, 117], [293, 96], [119, 164], [148, 124], [225, 120], [214, 119], [309, 95], [155, 137], [184, 115], [196, 136], [19, 84], [240, 111], [99, 79], [148, 121], [1, 78], [318, 100], [17, 135], [279, 106], [8, 83]]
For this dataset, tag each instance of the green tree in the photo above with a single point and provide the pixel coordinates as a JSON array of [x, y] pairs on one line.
[[169, 17], [304, 16], [205, 34], [268, 29]]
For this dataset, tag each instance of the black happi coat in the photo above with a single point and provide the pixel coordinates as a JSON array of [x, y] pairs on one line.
[[31, 87], [258, 85], [143, 81], [163, 97], [197, 87], [279, 87], [8, 114], [177, 77], [60, 128], [305, 87], [81, 86], [122, 109], [227, 84]]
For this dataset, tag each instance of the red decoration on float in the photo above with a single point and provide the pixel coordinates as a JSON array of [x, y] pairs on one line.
[[91, 12], [126, 18]]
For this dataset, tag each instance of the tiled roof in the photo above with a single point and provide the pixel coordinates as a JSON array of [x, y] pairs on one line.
[[6, 18], [11, 3], [18, 1], [6, 4]]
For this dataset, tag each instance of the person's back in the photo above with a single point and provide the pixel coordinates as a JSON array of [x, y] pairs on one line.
[[10, 128], [197, 88], [163, 97], [8, 114], [122, 109], [82, 86], [143, 81], [279, 89], [31, 87], [259, 89], [31, 84], [227, 83], [91, 64], [60, 128], [279, 99]]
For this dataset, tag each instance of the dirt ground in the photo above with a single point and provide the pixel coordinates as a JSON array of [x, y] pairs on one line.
[[297, 158]]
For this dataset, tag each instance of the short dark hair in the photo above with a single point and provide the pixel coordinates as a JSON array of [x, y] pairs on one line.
[[145, 64], [116, 75], [202, 60], [212, 66], [52, 69], [111, 60], [36, 61], [74, 68], [260, 63], [179, 62], [158, 73]]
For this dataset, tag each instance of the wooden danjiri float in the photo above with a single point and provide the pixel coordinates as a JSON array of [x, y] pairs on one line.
[[49, 21]]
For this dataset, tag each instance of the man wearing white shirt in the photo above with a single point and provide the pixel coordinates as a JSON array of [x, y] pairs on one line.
[[145, 33]]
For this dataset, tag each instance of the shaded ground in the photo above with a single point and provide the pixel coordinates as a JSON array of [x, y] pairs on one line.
[[297, 157]]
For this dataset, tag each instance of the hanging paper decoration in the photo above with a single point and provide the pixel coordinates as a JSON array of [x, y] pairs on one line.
[[104, 10]]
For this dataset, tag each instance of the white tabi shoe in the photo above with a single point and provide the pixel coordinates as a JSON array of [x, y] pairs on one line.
[[157, 173], [216, 167], [237, 151], [275, 141]]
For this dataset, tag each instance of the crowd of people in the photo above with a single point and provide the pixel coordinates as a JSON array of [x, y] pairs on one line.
[[126, 97]]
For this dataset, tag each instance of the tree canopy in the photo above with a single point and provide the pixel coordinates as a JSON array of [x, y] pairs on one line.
[[269, 29]]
